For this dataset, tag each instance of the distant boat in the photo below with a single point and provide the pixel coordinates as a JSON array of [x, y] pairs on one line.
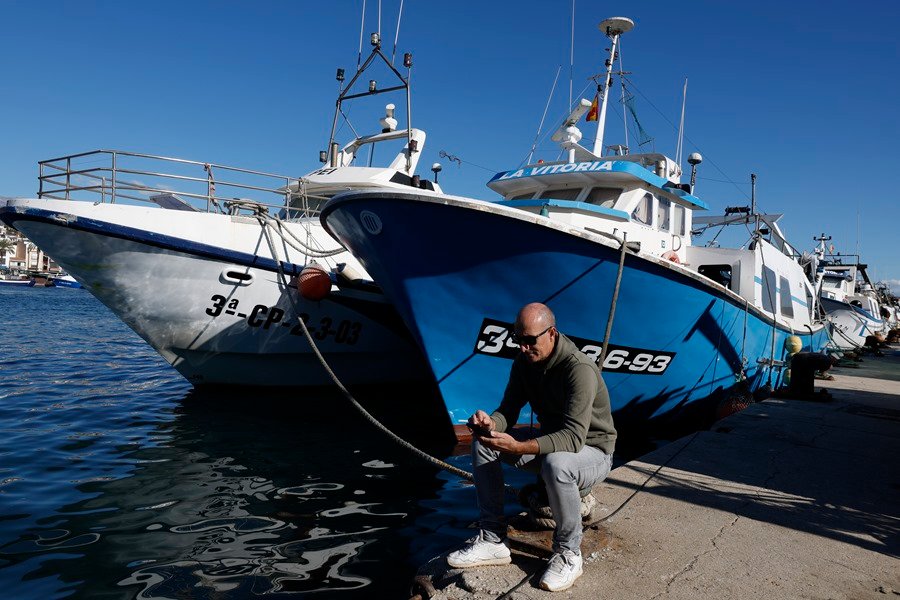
[[849, 300], [12, 280], [65, 281], [689, 323]]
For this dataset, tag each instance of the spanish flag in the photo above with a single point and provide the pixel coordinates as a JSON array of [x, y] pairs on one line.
[[592, 114]]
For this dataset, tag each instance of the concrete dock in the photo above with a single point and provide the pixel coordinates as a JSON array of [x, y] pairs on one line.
[[786, 499]]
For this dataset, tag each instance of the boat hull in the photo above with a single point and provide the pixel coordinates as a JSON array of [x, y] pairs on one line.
[[66, 282], [850, 325], [203, 290], [459, 270]]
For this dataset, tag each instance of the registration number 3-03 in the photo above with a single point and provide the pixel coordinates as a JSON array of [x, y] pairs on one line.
[[272, 317]]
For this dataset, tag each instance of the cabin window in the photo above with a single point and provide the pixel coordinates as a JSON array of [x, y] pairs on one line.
[[642, 213], [603, 196], [787, 304], [662, 214], [768, 290], [525, 196], [679, 217], [721, 274], [561, 193]]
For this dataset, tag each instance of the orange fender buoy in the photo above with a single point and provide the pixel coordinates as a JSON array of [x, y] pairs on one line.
[[314, 282], [672, 256]]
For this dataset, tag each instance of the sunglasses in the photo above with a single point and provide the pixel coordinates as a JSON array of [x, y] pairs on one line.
[[528, 340]]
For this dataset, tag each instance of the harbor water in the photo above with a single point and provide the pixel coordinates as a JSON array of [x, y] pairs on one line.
[[118, 480]]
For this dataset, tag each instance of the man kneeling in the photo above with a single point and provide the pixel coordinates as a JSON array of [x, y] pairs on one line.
[[572, 453]]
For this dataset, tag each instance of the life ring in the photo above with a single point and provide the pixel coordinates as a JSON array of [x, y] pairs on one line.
[[672, 256]]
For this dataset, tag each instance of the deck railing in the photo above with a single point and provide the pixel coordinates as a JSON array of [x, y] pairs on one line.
[[131, 177]]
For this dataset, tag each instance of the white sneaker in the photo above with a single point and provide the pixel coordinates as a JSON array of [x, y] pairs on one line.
[[563, 570], [479, 552]]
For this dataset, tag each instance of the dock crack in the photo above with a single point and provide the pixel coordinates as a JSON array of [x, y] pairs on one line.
[[693, 562]]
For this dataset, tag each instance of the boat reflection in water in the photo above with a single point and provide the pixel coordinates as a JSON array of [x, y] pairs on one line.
[[221, 501]]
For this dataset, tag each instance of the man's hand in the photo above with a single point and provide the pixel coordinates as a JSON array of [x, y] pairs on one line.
[[503, 442], [481, 424], [508, 444], [482, 419]]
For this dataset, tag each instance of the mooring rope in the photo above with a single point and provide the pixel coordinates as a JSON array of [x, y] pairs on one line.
[[744, 360], [261, 213], [615, 300], [843, 335], [344, 391]]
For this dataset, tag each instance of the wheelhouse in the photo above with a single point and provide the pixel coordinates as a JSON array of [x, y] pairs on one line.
[[638, 196]]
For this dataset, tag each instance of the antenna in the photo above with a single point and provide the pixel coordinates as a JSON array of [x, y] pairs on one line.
[[544, 116], [679, 144], [362, 26], [572, 54], [752, 193], [611, 28], [397, 33], [624, 106]]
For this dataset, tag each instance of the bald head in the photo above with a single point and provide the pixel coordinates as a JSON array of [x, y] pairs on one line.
[[535, 315], [536, 332]]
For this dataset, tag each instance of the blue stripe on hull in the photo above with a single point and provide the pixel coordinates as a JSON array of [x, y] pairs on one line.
[[156, 240], [447, 268]]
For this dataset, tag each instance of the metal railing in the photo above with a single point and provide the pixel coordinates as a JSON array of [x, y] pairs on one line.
[[114, 175]]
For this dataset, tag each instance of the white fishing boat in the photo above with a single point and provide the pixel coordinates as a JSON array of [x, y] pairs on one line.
[[13, 280], [606, 241], [889, 305], [193, 255], [849, 300]]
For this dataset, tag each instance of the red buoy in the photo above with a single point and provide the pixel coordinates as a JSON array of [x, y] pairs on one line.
[[314, 282]]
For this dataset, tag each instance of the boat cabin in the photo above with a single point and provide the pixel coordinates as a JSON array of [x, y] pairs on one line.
[[639, 196], [838, 282], [765, 273]]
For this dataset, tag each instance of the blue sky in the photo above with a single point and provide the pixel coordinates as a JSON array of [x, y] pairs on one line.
[[804, 94]]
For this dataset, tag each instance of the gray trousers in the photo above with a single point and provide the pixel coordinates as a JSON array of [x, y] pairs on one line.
[[564, 475]]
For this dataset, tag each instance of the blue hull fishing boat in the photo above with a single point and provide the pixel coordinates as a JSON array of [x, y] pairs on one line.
[[606, 242], [66, 281]]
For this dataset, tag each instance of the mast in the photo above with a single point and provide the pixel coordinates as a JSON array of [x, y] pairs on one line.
[[612, 28]]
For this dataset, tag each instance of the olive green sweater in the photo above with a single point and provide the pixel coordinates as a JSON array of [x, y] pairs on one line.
[[567, 396]]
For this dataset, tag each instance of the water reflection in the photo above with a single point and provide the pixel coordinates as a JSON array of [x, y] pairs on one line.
[[248, 503], [117, 482]]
